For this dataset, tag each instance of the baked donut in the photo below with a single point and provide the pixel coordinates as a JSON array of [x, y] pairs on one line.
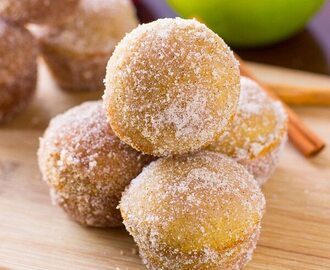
[[77, 51], [199, 211], [37, 11], [86, 166], [18, 69], [258, 133], [171, 86]]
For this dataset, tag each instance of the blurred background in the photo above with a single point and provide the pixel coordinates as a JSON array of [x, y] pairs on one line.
[[76, 38], [287, 33]]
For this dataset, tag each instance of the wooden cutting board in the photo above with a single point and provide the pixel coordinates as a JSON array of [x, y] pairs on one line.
[[36, 235]]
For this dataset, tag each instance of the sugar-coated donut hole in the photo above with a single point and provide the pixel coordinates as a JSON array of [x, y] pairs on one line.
[[18, 69], [198, 211], [86, 166], [257, 134], [78, 50], [37, 11], [171, 86]]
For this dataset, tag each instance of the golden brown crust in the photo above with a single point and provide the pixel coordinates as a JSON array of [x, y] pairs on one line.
[[263, 167], [77, 51], [75, 72], [18, 69], [37, 11], [257, 134], [199, 211], [171, 87], [86, 166]]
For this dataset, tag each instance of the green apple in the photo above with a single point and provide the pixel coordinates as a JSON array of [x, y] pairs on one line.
[[248, 23]]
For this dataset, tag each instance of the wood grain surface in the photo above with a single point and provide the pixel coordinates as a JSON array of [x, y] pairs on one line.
[[36, 235]]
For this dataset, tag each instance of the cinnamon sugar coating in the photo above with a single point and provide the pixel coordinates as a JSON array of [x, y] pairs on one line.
[[18, 69], [78, 50], [171, 86], [86, 166], [37, 11], [258, 133], [199, 211]]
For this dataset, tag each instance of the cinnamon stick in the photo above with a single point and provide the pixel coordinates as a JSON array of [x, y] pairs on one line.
[[304, 139], [298, 95]]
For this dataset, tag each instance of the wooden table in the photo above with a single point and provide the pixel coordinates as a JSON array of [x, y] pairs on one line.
[[36, 235], [308, 50]]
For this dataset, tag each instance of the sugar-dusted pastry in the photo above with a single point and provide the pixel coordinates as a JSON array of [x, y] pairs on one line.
[[258, 133], [172, 86], [18, 69], [37, 11], [200, 211], [86, 166], [77, 51]]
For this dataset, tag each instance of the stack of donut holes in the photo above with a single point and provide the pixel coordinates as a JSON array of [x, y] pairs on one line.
[[177, 150], [75, 37]]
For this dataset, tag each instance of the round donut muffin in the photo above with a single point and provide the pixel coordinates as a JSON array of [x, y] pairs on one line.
[[86, 166], [171, 86], [37, 11], [18, 69], [77, 52], [200, 211], [258, 133]]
